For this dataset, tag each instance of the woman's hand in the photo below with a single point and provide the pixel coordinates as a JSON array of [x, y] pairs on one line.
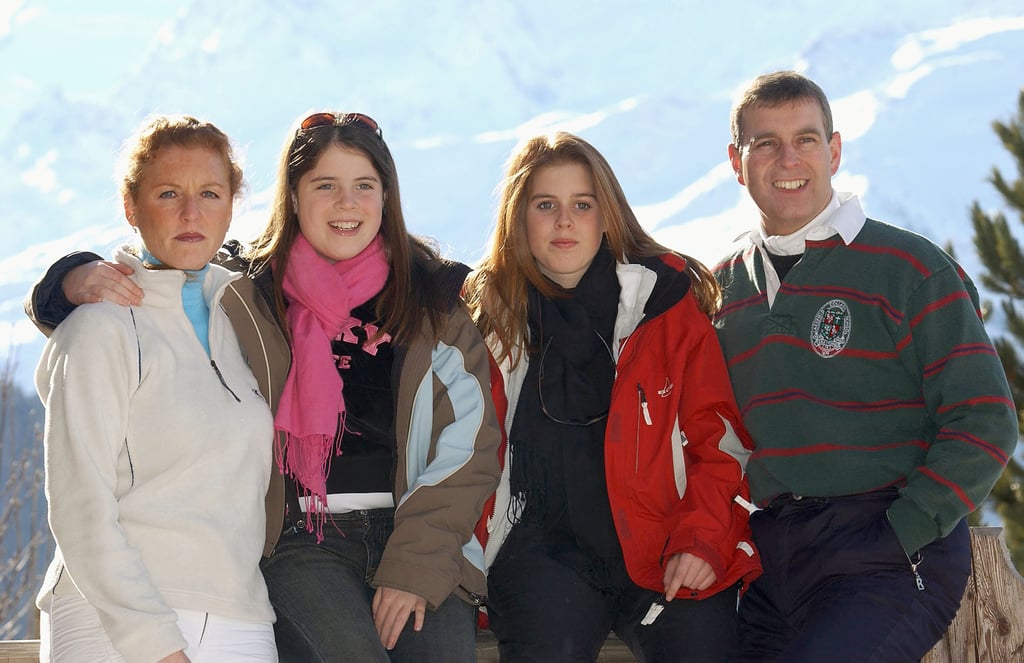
[[391, 610], [686, 570], [101, 280], [176, 657]]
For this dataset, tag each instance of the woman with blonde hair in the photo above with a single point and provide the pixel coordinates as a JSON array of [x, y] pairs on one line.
[[622, 504]]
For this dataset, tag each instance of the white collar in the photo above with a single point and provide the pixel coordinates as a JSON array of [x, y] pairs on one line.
[[842, 215]]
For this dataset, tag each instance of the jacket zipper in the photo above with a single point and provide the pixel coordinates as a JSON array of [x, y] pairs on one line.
[[646, 413], [643, 405], [221, 378], [913, 565]]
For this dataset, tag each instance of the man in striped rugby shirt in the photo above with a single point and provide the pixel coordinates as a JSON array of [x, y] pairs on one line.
[[878, 406]]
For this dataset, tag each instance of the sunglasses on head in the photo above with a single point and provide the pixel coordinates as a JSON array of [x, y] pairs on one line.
[[330, 119]]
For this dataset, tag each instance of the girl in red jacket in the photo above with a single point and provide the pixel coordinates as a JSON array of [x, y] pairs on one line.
[[622, 504]]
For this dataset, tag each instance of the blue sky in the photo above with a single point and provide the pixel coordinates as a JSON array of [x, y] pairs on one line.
[[76, 46]]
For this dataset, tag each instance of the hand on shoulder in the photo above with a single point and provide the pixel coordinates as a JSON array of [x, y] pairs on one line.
[[99, 281]]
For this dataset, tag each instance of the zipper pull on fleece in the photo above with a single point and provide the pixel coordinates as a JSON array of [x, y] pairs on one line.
[[643, 405]]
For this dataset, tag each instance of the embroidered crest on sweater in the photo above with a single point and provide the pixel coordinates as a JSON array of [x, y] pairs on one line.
[[830, 330]]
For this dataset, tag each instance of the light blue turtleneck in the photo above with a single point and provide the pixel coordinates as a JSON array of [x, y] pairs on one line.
[[196, 308]]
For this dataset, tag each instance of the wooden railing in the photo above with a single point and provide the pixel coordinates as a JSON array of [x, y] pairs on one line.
[[19, 651], [989, 628]]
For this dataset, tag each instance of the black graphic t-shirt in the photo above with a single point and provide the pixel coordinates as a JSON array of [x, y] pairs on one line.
[[367, 460]]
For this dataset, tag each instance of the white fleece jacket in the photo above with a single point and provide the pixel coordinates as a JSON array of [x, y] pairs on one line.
[[157, 465]]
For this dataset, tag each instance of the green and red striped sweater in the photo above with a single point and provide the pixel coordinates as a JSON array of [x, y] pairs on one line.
[[871, 369]]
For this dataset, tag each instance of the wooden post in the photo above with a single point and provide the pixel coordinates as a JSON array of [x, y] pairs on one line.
[[19, 651], [990, 623]]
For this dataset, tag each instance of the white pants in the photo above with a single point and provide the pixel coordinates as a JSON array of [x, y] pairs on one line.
[[70, 632]]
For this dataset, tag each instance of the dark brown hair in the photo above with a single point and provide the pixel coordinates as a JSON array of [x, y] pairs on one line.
[[775, 89], [406, 297]]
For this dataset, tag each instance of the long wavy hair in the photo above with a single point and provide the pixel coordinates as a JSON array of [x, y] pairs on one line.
[[407, 300], [497, 291]]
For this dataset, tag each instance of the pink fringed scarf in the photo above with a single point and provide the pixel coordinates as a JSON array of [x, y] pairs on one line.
[[311, 413]]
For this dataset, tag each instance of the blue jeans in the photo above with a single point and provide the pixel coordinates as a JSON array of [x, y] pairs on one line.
[[322, 596], [541, 610]]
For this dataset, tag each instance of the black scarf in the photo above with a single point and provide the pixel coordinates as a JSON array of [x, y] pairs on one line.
[[557, 435]]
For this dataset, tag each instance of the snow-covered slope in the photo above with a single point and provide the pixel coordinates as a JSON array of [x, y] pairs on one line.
[[455, 83]]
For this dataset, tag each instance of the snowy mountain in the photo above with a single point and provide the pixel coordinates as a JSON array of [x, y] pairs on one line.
[[456, 83]]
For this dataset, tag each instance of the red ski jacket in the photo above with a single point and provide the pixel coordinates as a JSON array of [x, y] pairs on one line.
[[675, 446]]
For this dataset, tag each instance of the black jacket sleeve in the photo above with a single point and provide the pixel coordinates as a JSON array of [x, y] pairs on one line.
[[46, 305]]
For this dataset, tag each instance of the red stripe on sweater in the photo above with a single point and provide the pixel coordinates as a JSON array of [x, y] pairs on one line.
[[876, 250], [738, 305], [815, 449], [732, 262], [979, 400], [936, 305], [996, 453], [775, 398], [948, 484], [958, 351], [831, 291], [804, 345]]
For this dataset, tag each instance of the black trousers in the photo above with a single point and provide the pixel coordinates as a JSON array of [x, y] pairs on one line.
[[838, 586], [542, 610]]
